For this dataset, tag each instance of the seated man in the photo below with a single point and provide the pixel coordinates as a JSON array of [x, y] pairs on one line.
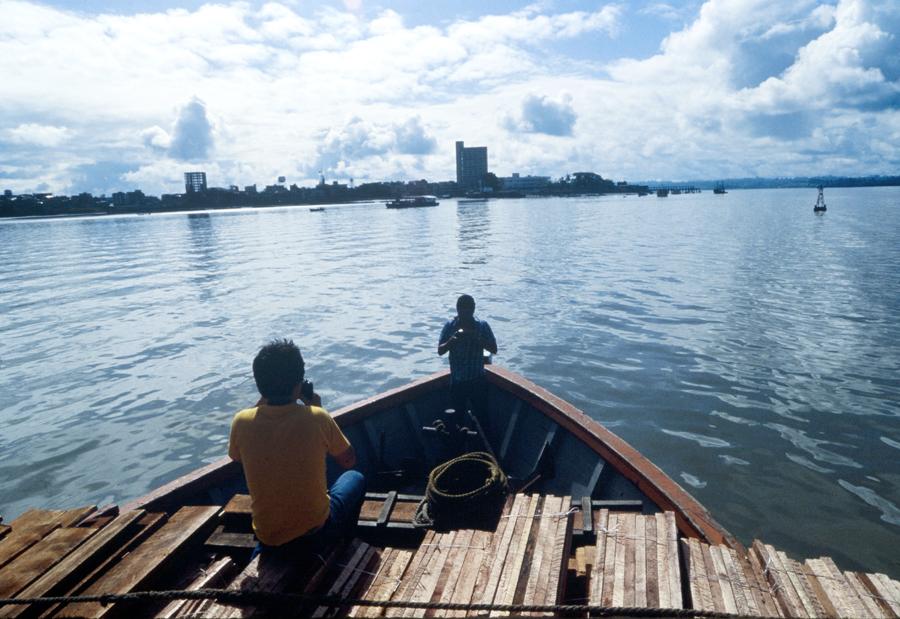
[[282, 446]]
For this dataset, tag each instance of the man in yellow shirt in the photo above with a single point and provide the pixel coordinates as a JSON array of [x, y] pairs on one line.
[[282, 446]]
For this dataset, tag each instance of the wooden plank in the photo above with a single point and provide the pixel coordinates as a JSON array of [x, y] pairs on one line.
[[801, 585], [662, 561], [43, 555], [454, 568], [587, 516], [712, 576], [595, 476], [740, 582], [562, 549], [882, 590], [413, 572], [431, 575], [781, 584], [595, 594], [629, 552], [213, 576], [89, 570], [32, 526], [829, 587], [721, 574], [690, 562], [609, 560], [618, 594], [465, 586], [389, 577], [824, 602], [848, 597], [512, 568], [640, 562], [675, 600], [360, 554], [146, 560], [701, 572], [768, 602], [4, 530], [551, 505], [652, 570], [865, 596], [489, 576], [385, 514]]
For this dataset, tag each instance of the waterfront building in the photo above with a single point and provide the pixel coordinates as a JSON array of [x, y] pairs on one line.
[[194, 182], [524, 184], [471, 166]]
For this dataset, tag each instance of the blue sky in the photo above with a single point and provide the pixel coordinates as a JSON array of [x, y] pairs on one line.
[[105, 96]]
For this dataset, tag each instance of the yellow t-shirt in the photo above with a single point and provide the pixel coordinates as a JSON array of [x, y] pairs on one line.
[[282, 449]]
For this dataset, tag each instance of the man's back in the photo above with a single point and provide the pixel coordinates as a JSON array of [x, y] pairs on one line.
[[282, 449]]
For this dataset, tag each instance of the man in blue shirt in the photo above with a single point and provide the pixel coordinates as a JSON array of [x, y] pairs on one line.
[[466, 338]]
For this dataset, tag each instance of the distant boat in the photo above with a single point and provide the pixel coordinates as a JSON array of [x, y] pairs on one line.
[[662, 193], [820, 201], [719, 188], [412, 202], [317, 209]]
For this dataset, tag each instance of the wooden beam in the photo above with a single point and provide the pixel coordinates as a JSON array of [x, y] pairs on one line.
[[510, 429], [28, 566], [213, 576], [386, 510], [32, 526], [587, 516], [147, 559]]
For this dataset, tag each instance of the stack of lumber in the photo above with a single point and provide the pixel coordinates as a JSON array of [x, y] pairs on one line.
[[767, 582], [54, 553], [634, 561], [521, 562]]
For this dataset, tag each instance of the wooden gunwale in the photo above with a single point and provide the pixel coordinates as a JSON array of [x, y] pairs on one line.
[[693, 520]]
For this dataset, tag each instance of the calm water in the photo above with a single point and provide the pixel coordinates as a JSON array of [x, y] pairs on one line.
[[748, 347]]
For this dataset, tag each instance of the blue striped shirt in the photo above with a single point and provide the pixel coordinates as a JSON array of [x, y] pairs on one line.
[[467, 355]]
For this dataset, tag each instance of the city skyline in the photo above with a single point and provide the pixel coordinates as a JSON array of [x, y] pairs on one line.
[[103, 97]]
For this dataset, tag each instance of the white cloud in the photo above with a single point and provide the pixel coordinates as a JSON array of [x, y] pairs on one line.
[[747, 86], [37, 135], [543, 115]]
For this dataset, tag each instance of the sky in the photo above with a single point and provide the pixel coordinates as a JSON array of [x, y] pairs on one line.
[[104, 96]]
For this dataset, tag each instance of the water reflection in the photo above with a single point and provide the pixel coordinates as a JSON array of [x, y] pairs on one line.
[[473, 231], [203, 254]]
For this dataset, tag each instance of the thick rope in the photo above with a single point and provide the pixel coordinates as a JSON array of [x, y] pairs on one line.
[[260, 598], [446, 496]]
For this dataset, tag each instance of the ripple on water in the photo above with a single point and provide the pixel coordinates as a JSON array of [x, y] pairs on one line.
[[889, 512]]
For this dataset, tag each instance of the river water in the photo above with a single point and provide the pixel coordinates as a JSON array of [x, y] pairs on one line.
[[747, 346]]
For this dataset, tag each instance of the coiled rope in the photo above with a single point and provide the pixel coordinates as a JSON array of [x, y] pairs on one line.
[[460, 487]]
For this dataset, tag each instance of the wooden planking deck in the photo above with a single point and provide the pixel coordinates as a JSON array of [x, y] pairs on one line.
[[146, 560], [32, 526], [635, 561], [28, 566], [767, 583]]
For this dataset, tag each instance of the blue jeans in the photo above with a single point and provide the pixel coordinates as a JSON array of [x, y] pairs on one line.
[[347, 495]]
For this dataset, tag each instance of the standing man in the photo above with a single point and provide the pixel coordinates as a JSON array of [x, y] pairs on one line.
[[466, 338], [282, 446]]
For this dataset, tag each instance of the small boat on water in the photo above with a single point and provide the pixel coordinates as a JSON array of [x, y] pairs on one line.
[[589, 522], [719, 188], [819, 206], [662, 193], [413, 202], [317, 209]]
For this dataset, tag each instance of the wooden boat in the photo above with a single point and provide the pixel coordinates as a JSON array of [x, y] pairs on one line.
[[819, 206], [591, 522]]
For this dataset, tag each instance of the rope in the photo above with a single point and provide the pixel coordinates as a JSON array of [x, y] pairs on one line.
[[259, 598], [459, 487]]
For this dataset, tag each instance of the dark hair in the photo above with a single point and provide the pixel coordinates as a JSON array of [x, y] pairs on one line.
[[277, 369], [465, 300]]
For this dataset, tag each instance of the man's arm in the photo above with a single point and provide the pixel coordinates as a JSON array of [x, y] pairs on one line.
[[448, 339], [347, 459], [488, 341]]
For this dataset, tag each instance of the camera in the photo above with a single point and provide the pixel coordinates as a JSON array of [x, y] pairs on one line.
[[306, 390]]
